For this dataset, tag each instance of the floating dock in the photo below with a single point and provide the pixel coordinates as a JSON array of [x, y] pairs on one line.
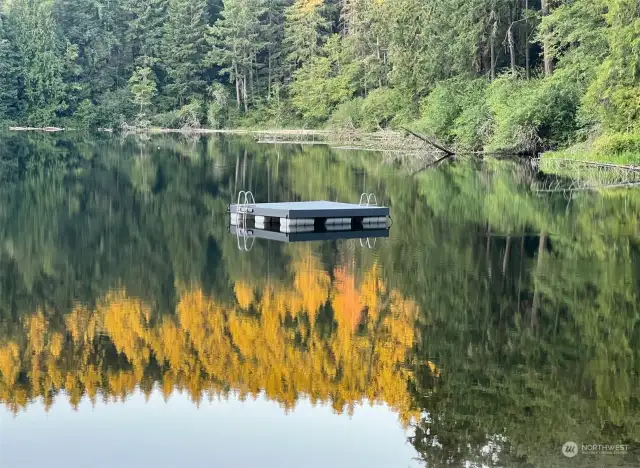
[[314, 210], [308, 221]]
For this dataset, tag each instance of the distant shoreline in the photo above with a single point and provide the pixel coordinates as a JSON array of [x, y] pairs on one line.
[[343, 139], [237, 131]]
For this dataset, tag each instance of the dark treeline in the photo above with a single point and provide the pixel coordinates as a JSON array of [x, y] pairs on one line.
[[508, 74]]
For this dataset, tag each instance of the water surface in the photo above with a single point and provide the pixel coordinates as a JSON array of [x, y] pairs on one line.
[[497, 322]]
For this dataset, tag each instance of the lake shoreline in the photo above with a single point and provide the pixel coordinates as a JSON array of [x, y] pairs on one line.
[[388, 141], [342, 139]]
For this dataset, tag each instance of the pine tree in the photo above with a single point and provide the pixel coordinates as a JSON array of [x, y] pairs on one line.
[[275, 37], [97, 33], [44, 60], [183, 49], [9, 63], [145, 29], [306, 29], [366, 39], [237, 38]]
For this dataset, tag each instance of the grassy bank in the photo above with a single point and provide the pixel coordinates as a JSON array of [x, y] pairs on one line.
[[610, 161], [615, 148]]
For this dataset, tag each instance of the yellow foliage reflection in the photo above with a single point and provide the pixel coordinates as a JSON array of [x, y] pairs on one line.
[[330, 338]]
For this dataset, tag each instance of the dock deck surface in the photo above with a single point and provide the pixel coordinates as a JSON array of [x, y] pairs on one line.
[[312, 209]]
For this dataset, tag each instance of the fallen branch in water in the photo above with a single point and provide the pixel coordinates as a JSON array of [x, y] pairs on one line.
[[430, 142], [433, 163]]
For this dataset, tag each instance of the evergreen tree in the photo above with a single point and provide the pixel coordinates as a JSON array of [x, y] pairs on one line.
[[45, 59], [183, 50], [323, 82], [97, 34], [306, 29], [237, 38], [366, 38], [9, 67], [145, 29], [516, 74], [615, 94], [275, 37]]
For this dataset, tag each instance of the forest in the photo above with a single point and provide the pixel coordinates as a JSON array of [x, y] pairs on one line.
[[517, 75]]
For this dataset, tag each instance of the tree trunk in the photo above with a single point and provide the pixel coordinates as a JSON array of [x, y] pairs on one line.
[[546, 45], [494, 30], [269, 83], [512, 49], [527, 49], [244, 93], [235, 68], [379, 55]]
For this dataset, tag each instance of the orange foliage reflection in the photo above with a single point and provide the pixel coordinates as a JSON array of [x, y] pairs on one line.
[[330, 338]]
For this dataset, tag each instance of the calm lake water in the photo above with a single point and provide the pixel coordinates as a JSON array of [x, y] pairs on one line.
[[498, 321]]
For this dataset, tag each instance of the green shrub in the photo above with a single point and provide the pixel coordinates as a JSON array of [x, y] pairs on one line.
[[114, 108], [455, 112], [532, 115], [87, 115], [188, 116], [167, 119], [472, 127], [617, 143], [440, 109], [217, 108], [380, 107], [347, 114], [323, 83]]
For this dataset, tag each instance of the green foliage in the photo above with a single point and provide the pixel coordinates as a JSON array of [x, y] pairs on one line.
[[188, 116], [348, 114], [615, 93], [184, 48], [114, 108], [617, 143], [45, 60], [86, 115], [455, 111], [217, 109], [323, 83], [236, 38], [377, 111], [305, 31], [380, 108], [143, 88], [529, 116], [96, 34], [145, 29], [9, 68]]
